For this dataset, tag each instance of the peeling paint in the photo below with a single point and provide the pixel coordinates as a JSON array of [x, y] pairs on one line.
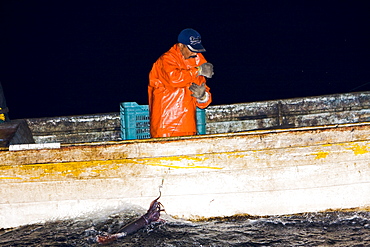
[[359, 149], [189, 162], [321, 155], [95, 168]]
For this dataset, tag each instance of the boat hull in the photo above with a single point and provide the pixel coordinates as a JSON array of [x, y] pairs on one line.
[[265, 172]]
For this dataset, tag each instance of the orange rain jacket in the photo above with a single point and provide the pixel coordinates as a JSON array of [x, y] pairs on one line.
[[171, 106]]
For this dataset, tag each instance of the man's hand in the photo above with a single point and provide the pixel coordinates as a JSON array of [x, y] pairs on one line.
[[206, 70], [198, 91]]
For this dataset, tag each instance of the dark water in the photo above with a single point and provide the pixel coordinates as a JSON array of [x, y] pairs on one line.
[[316, 229]]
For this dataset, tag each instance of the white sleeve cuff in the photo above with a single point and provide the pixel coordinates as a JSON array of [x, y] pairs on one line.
[[206, 97]]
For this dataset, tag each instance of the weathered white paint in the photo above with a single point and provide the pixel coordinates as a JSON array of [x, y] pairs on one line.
[[258, 172], [17, 147]]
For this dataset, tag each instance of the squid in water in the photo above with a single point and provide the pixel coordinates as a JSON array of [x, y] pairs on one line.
[[151, 215]]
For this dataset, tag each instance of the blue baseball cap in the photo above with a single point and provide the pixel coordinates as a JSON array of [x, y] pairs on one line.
[[191, 39]]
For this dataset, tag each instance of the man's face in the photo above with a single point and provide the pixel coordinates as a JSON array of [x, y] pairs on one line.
[[186, 52]]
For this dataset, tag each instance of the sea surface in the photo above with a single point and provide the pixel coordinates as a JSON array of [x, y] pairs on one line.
[[309, 229]]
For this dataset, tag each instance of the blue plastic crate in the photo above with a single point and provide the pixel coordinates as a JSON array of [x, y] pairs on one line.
[[135, 121]]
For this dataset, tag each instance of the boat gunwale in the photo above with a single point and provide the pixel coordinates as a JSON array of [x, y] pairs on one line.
[[218, 135]]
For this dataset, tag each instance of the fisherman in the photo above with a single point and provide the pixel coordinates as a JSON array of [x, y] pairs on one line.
[[177, 85]]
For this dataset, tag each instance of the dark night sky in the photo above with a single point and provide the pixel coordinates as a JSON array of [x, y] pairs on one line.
[[80, 57]]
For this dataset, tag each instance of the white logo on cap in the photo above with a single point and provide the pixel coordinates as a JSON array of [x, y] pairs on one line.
[[194, 40]]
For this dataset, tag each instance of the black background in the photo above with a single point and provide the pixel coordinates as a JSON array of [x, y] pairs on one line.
[[81, 57]]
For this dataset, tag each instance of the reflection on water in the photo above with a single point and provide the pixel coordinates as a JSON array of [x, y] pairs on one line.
[[313, 229]]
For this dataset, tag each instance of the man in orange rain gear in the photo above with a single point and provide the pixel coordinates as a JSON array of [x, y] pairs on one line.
[[177, 85]]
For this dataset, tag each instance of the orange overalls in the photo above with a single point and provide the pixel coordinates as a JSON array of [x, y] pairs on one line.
[[172, 109]]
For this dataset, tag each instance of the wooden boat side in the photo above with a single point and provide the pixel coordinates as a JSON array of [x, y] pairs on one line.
[[264, 172]]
